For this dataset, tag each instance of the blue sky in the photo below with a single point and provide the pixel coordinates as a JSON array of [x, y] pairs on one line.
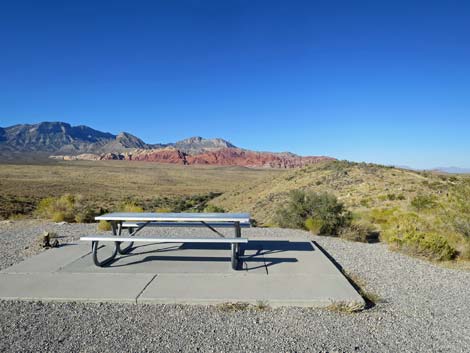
[[379, 81]]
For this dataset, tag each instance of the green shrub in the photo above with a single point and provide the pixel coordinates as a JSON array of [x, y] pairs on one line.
[[163, 210], [58, 216], [58, 209], [322, 207], [85, 215], [423, 202], [462, 226], [130, 207], [358, 231], [214, 209], [68, 208], [414, 236], [314, 225], [382, 216], [465, 251], [104, 225]]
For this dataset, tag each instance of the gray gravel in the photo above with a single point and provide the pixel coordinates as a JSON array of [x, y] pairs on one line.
[[424, 308]]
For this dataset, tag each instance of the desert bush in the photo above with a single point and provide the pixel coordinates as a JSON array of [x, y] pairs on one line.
[[462, 226], [381, 216], [163, 210], [104, 225], [412, 235], [365, 202], [314, 225], [58, 209], [193, 203], [85, 215], [130, 206], [213, 209], [465, 250], [423, 202], [358, 231], [66, 208], [323, 207]]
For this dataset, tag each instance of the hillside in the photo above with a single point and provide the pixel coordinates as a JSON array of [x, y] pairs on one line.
[[385, 197]]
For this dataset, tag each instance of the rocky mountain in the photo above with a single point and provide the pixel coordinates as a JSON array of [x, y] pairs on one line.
[[63, 141], [53, 137], [195, 145]]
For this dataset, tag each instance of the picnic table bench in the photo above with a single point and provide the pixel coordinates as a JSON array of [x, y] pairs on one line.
[[136, 221]]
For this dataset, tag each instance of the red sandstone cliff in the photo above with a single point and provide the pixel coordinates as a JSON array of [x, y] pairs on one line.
[[225, 156]]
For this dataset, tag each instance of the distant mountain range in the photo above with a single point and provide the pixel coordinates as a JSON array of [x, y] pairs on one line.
[[60, 140], [448, 170], [453, 170]]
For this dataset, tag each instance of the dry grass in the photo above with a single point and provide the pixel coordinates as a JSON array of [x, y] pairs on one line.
[[23, 185], [240, 306], [345, 307]]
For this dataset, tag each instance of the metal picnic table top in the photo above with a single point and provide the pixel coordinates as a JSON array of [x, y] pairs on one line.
[[175, 217]]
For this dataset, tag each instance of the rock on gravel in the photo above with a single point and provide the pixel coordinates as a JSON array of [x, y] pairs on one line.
[[424, 308]]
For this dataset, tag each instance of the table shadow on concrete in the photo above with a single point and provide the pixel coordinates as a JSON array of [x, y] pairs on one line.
[[256, 256]]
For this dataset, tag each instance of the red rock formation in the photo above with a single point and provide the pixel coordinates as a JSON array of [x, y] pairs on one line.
[[167, 155], [226, 156], [246, 158]]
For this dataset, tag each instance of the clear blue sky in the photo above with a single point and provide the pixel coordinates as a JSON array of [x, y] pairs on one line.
[[381, 81]]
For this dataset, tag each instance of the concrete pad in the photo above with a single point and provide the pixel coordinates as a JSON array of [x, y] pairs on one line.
[[50, 260], [73, 287], [278, 272], [172, 258], [279, 290], [291, 257]]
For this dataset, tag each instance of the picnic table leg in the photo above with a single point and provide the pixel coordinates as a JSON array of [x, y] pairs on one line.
[[95, 246], [235, 250], [234, 256], [118, 244]]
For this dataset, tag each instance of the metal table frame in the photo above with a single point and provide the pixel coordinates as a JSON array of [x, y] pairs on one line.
[[143, 220]]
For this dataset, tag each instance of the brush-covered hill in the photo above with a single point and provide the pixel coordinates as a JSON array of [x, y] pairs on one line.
[[396, 202]]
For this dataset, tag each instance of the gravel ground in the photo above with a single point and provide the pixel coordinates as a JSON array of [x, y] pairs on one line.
[[423, 308]]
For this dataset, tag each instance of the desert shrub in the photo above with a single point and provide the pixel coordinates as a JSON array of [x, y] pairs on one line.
[[423, 202], [462, 226], [465, 250], [314, 225], [412, 235], [130, 206], [365, 202], [193, 203], [214, 209], [85, 215], [13, 207], [66, 208], [391, 197], [104, 225], [358, 231], [322, 207], [58, 216], [163, 210], [57, 208], [381, 216]]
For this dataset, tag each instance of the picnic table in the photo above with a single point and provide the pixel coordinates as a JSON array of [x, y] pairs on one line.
[[134, 222]]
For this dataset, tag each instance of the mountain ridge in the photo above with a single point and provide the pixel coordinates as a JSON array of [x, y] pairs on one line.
[[64, 141]]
